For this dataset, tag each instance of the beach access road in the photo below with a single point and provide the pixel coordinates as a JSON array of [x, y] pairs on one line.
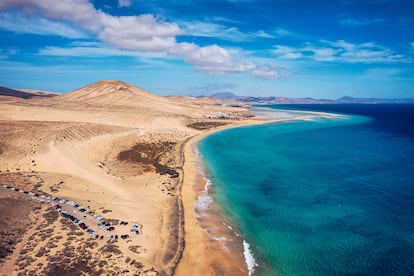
[[94, 225]]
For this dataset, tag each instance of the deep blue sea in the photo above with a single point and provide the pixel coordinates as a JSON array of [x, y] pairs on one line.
[[330, 196]]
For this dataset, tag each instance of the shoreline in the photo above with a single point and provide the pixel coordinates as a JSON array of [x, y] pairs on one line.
[[78, 160], [72, 152], [208, 239], [203, 255]]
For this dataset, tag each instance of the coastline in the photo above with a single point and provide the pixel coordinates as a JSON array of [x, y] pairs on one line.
[[203, 255], [211, 246], [77, 160], [73, 153], [277, 237]]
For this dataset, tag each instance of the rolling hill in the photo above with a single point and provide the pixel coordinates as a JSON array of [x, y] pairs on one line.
[[111, 93]]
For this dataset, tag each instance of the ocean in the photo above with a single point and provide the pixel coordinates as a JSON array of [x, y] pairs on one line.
[[327, 196]]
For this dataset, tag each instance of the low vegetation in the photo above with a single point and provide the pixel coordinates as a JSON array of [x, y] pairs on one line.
[[151, 154], [206, 125]]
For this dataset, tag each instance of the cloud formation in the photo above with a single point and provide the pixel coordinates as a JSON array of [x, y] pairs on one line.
[[341, 51], [262, 34], [144, 32], [226, 33], [37, 25], [124, 3], [134, 33], [270, 72], [216, 60], [79, 12], [207, 29], [95, 50]]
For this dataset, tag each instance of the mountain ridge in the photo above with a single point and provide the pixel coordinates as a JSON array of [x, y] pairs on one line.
[[24, 93], [120, 93], [230, 97]]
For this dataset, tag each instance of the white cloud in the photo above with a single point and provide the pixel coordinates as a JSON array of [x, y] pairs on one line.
[[95, 51], [83, 43], [216, 60], [367, 55], [143, 33], [37, 25], [263, 34], [341, 51], [340, 44], [285, 52], [283, 32], [270, 72], [124, 3], [79, 12], [129, 32], [211, 59], [210, 55], [324, 54], [206, 29]]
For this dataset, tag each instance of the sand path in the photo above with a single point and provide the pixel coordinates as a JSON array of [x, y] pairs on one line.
[[79, 159], [128, 198]]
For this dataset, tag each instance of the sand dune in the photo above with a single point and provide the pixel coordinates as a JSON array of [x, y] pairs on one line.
[[111, 92], [68, 146], [118, 94]]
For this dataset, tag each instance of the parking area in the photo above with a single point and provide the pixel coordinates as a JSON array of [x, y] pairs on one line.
[[94, 224]]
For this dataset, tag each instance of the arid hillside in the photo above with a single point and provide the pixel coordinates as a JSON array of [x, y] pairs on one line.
[[112, 148]]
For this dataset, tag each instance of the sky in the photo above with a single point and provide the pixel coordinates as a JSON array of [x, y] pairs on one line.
[[310, 48]]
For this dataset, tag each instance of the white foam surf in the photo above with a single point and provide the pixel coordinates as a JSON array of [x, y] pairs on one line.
[[248, 257], [204, 200]]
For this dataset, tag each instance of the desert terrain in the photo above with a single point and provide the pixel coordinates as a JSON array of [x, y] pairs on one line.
[[125, 157]]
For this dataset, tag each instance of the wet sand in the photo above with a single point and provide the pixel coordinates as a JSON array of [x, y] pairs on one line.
[[211, 248]]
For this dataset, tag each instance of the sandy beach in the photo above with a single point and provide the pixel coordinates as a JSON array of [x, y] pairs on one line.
[[211, 256], [122, 153], [196, 138], [127, 156], [222, 251]]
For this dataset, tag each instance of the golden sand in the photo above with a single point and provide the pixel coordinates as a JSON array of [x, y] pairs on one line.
[[67, 146]]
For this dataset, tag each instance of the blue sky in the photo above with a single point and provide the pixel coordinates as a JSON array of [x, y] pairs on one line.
[[320, 49]]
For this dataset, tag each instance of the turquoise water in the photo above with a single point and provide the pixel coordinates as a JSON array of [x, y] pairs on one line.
[[322, 197]]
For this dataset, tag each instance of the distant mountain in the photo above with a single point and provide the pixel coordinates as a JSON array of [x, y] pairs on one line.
[[347, 99], [119, 93], [26, 94], [41, 93], [230, 97], [225, 96]]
